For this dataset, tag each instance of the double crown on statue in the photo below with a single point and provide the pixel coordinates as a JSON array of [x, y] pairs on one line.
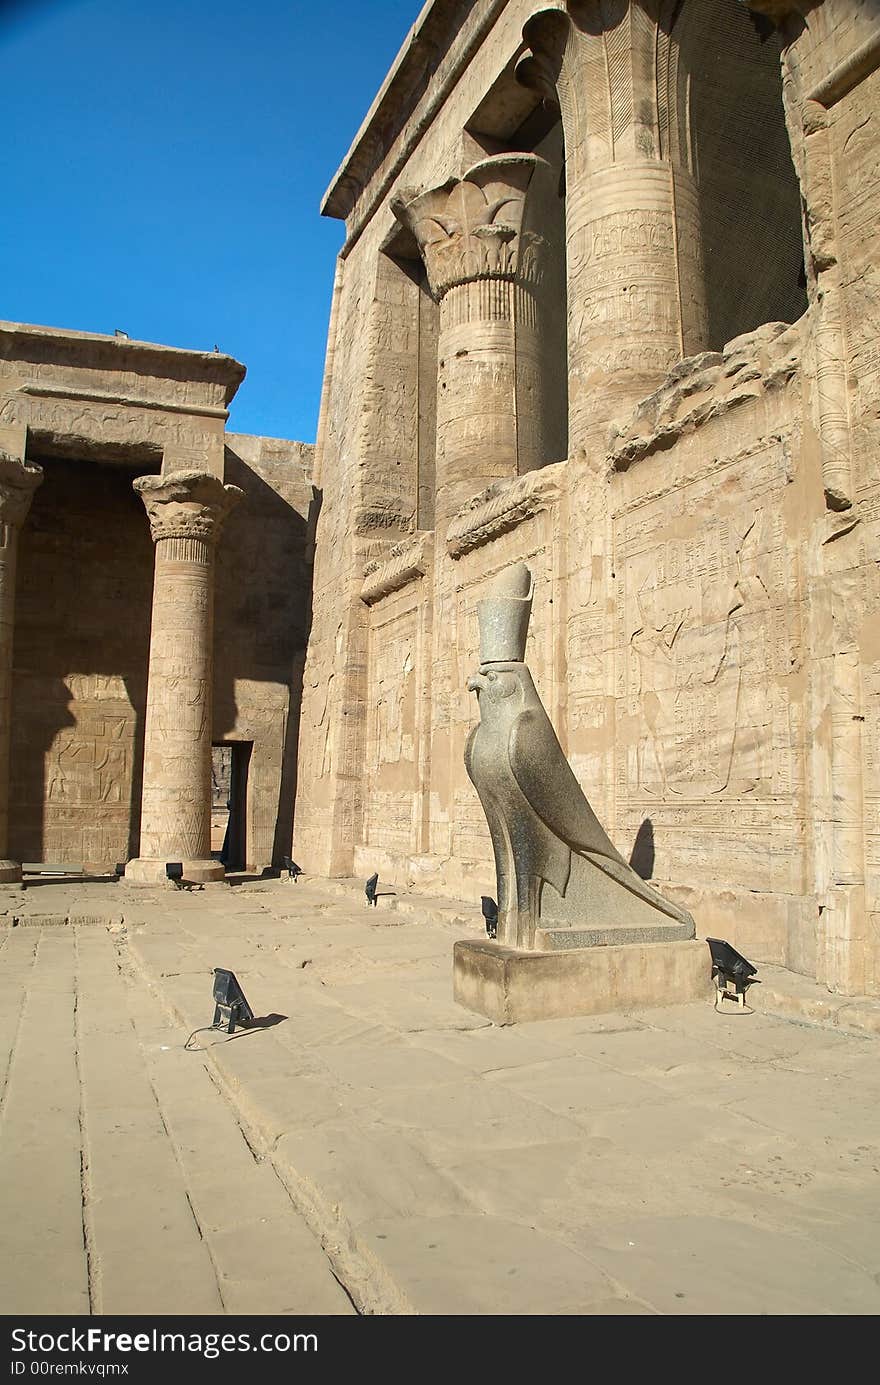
[[504, 617]]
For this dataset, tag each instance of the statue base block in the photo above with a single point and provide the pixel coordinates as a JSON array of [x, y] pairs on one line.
[[511, 987]]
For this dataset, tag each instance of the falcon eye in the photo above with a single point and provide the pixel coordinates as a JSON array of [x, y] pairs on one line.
[[492, 676]]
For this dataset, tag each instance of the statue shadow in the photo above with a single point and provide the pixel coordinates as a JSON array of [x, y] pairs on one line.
[[642, 856]]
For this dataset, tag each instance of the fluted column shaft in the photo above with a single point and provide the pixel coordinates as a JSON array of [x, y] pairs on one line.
[[636, 295], [186, 510], [18, 481], [484, 270]]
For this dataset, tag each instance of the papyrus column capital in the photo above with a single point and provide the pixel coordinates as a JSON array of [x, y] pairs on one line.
[[472, 228], [614, 70], [186, 504], [18, 481]]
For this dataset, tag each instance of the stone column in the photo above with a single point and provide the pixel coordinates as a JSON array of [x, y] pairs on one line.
[[636, 297], [483, 269], [186, 510], [18, 481]]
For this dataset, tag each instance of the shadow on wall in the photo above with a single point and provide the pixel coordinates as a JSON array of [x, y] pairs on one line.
[[750, 211], [642, 858], [262, 615], [82, 628]]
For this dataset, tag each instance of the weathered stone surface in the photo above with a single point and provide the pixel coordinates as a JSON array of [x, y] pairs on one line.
[[705, 638], [186, 510], [97, 412], [510, 986]]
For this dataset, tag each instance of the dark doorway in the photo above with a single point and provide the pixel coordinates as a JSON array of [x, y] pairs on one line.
[[230, 761]]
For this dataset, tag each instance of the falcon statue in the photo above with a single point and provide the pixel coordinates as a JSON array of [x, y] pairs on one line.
[[558, 874]]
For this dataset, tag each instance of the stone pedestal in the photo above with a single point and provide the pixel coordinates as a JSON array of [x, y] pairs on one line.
[[636, 297], [18, 481], [186, 510], [483, 269], [510, 987]]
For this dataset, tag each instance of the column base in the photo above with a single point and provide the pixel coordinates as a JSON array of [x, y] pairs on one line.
[[10, 873], [146, 871]]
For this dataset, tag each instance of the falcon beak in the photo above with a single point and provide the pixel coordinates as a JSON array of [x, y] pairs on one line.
[[476, 682]]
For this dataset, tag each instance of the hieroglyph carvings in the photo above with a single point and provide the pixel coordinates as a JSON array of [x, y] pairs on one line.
[[483, 268], [186, 511], [636, 299]]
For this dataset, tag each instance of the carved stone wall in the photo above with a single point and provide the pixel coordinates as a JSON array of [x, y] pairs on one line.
[[262, 610], [80, 673], [707, 600]]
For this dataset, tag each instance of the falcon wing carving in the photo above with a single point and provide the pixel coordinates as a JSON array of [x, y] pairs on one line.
[[548, 782]]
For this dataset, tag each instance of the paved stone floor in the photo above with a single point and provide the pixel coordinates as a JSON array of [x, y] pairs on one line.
[[376, 1148]]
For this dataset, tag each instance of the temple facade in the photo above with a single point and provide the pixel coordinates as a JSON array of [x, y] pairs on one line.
[[154, 578], [608, 305]]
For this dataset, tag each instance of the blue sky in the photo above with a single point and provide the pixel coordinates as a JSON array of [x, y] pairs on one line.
[[162, 166]]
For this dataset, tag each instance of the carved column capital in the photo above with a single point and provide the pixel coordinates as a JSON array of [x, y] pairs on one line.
[[472, 228], [186, 504], [614, 72], [18, 481]]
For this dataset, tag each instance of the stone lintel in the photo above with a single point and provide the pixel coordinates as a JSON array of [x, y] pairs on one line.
[[512, 987], [128, 401]]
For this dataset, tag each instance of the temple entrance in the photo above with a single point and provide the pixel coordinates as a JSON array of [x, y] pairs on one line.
[[230, 761]]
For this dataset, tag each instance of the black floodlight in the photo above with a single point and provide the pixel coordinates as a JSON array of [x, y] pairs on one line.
[[119, 868], [729, 968], [370, 888], [230, 1006], [293, 870], [174, 873], [490, 914]]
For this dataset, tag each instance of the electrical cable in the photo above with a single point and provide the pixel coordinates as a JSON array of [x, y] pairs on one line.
[[197, 1048]]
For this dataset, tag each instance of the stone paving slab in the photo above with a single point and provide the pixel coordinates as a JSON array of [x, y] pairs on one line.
[[444, 1154], [664, 1161], [128, 1184]]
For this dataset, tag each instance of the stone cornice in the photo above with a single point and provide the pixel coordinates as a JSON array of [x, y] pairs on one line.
[[703, 387], [495, 512], [21, 341], [403, 112], [848, 73], [408, 562], [186, 504]]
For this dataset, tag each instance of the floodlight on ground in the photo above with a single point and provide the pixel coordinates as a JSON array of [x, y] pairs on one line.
[[370, 888], [230, 1007], [729, 970], [293, 870], [174, 873], [490, 914]]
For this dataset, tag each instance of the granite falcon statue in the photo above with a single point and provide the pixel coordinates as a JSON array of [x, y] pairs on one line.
[[544, 832]]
